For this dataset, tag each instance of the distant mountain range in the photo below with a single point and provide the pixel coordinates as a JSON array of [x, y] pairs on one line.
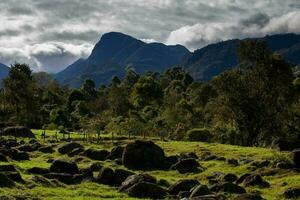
[[3, 72], [205, 63], [116, 52]]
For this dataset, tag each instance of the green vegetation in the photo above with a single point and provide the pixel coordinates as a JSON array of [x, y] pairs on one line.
[[251, 105], [95, 191]]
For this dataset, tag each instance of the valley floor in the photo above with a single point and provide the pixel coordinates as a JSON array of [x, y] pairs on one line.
[[279, 179]]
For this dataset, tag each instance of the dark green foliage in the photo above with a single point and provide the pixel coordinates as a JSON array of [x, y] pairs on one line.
[[200, 135]]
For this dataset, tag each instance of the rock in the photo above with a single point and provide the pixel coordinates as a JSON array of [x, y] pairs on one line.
[[47, 149], [67, 148], [183, 194], [146, 190], [242, 178], [188, 155], [26, 148], [292, 193], [38, 170], [134, 179], [255, 180], [210, 157], [182, 185], [248, 197], [232, 161], [19, 155], [96, 154], [62, 177], [116, 152], [3, 158], [118, 161], [14, 176], [75, 152], [296, 157], [143, 155], [260, 164], [62, 166], [284, 165], [163, 182], [171, 160], [228, 188], [5, 181], [7, 168], [285, 145], [186, 166], [221, 158], [199, 190], [121, 175], [41, 180], [230, 178], [210, 197], [17, 131], [106, 176], [96, 166]]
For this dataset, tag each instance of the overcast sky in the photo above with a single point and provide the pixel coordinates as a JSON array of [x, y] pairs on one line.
[[51, 34]]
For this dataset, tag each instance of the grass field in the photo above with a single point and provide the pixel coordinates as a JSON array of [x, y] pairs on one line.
[[97, 191]]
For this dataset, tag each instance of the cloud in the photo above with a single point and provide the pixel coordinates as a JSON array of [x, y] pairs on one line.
[[49, 35]]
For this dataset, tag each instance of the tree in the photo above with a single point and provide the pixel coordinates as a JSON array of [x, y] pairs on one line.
[[20, 93], [146, 91], [89, 89]]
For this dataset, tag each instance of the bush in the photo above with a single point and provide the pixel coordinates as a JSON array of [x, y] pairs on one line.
[[18, 131], [200, 135]]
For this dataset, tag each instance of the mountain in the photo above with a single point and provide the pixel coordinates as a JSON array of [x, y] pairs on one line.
[[114, 53], [3, 72], [216, 58]]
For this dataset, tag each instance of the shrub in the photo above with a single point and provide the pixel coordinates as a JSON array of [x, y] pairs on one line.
[[200, 135], [18, 131]]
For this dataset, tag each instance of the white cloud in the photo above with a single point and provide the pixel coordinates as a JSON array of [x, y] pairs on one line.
[[49, 35]]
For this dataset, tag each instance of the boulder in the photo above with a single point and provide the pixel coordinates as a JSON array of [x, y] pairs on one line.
[[67, 148], [5, 181], [106, 176], [186, 166], [296, 157], [17, 131], [3, 158], [7, 168], [61, 177], [233, 162], [75, 152], [228, 187], [230, 177], [143, 155], [96, 154], [248, 197], [26, 148], [292, 193], [136, 178], [46, 149], [209, 197], [242, 178], [38, 170], [182, 185], [255, 180], [116, 152], [14, 176], [146, 190], [41, 180], [121, 175], [285, 145], [62, 166], [96, 166], [199, 190], [18, 155]]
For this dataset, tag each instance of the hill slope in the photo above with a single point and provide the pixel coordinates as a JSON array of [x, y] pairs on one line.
[[214, 59], [117, 51]]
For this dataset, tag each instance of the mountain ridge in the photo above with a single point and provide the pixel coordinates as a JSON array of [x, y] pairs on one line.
[[117, 51]]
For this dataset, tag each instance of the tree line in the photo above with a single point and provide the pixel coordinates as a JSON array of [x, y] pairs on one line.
[[251, 104]]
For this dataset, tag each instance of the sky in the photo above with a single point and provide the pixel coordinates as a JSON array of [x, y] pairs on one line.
[[51, 34]]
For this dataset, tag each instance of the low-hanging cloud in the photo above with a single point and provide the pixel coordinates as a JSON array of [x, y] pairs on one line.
[[50, 35]]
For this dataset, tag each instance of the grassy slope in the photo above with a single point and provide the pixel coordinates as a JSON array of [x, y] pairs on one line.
[[97, 191]]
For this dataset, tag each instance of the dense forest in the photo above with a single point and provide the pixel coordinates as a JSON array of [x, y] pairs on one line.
[[252, 104]]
